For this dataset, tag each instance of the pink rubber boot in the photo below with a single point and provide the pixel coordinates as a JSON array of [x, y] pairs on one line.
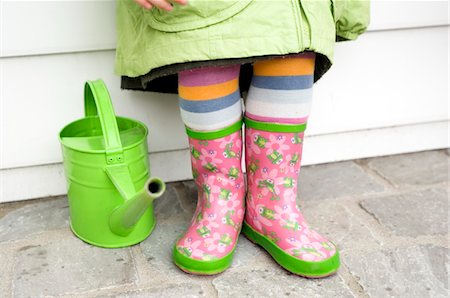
[[272, 218], [208, 245]]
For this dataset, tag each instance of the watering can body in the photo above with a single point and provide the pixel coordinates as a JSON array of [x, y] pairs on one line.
[[110, 191]]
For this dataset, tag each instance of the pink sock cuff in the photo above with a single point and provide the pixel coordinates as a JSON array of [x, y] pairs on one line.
[[276, 119], [208, 75]]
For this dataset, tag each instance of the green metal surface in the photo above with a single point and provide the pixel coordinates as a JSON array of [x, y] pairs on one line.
[[110, 191]]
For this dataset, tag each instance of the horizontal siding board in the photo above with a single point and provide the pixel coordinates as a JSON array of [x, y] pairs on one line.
[[50, 27]]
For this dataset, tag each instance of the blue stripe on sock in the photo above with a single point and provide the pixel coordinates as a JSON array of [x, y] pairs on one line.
[[283, 82], [206, 106]]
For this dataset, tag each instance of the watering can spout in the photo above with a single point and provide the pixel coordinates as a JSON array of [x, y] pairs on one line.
[[124, 217]]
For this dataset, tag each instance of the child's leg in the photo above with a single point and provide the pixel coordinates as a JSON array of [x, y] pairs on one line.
[[209, 97], [211, 110], [278, 105], [281, 90]]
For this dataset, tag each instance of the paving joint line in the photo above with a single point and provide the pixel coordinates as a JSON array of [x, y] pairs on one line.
[[364, 165], [377, 230], [142, 270], [352, 282]]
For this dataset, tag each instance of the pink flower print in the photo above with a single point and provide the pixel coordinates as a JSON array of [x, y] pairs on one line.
[[233, 138], [239, 215], [305, 249], [209, 157], [191, 248], [209, 221], [232, 142], [218, 242], [229, 205], [276, 143], [223, 179], [289, 163], [211, 181], [252, 215], [290, 196], [237, 186], [317, 237], [287, 218]]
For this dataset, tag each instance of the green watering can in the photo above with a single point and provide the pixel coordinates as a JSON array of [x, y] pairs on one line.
[[106, 165]]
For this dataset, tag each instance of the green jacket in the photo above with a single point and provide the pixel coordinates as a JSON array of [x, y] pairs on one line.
[[219, 29]]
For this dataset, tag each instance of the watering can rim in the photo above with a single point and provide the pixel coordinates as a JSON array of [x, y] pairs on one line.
[[144, 136]]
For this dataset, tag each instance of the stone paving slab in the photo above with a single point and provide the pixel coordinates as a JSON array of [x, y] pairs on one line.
[[68, 265], [276, 282], [335, 180], [6, 266], [412, 214], [168, 206], [182, 290], [420, 168], [157, 249], [338, 224], [34, 218], [416, 271]]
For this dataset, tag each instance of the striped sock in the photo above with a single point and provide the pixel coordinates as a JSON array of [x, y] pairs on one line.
[[281, 89], [209, 97]]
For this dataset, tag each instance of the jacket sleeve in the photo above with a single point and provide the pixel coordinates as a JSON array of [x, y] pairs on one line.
[[351, 18]]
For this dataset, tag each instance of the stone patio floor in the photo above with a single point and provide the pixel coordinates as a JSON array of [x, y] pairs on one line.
[[388, 215]]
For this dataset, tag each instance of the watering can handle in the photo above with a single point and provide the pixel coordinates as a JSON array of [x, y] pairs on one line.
[[98, 102]]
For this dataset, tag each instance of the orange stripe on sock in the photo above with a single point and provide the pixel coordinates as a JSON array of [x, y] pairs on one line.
[[208, 92], [284, 67]]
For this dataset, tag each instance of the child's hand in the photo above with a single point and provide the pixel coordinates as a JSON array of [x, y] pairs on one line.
[[163, 4]]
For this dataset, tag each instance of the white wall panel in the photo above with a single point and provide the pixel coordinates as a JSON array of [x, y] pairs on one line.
[[384, 79], [46, 27], [397, 14]]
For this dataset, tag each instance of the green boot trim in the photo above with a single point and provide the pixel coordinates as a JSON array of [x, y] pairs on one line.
[[202, 267], [291, 263], [274, 127], [212, 135]]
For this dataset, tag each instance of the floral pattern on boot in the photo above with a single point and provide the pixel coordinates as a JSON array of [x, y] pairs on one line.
[[273, 164], [217, 221]]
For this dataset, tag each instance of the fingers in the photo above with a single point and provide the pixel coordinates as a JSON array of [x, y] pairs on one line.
[[144, 4], [162, 4], [182, 2]]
